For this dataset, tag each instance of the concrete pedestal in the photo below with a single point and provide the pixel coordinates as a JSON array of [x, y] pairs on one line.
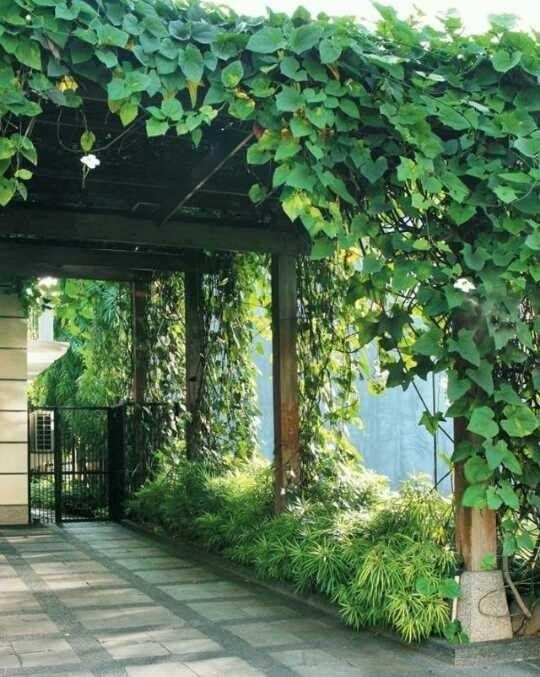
[[482, 608]]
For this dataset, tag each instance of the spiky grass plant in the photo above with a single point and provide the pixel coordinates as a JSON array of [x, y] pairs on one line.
[[415, 616], [272, 548], [320, 564], [401, 584]]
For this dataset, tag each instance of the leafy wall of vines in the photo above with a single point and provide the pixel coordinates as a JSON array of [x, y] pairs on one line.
[[329, 364], [227, 407], [417, 146], [94, 318], [165, 340]]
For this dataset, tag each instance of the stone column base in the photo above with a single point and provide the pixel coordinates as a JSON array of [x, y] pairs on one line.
[[482, 608], [13, 515]]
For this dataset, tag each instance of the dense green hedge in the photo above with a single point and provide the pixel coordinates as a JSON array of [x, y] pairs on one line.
[[384, 559]]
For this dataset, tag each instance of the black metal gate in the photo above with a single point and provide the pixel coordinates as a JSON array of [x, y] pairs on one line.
[[74, 463], [84, 461]]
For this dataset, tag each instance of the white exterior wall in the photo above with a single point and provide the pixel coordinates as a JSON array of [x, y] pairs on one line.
[[13, 412]]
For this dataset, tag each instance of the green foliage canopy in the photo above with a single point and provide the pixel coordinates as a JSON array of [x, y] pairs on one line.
[[93, 317], [419, 147]]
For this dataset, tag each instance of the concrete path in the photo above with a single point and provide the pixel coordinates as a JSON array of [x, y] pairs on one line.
[[96, 599]]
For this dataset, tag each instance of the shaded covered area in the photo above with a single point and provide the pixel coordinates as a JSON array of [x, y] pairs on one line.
[[379, 174], [158, 206], [150, 205]]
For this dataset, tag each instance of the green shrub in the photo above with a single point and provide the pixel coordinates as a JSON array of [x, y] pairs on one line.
[[382, 557], [147, 504], [416, 511], [346, 485]]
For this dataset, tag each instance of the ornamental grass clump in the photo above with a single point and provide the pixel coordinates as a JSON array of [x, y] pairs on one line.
[[403, 566], [385, 561]]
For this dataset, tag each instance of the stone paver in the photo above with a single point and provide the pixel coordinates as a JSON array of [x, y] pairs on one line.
[[98, 599]]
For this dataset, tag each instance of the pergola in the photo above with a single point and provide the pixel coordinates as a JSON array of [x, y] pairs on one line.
[[162, 205], [157, 205]]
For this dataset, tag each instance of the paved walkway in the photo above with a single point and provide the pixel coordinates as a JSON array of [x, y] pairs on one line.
[[89, 600]]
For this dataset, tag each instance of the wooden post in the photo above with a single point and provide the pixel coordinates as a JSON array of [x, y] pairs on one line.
[[139, 297], [193, 290], [476, 530], [482, 608], [285, 376]]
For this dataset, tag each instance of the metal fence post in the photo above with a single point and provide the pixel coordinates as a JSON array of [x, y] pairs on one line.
[[117, 466], [57, 467]]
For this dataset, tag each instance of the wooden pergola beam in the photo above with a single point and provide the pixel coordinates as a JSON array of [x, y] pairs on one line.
[[52, 254], [37, 269], [74, 226]]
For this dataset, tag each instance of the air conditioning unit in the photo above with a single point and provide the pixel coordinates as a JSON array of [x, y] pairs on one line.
[[42, 432]]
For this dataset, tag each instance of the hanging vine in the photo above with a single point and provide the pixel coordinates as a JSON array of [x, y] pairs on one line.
[[165, 340], [328, 363], [227, 407]]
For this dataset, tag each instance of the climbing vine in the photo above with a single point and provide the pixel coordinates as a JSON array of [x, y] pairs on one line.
[[165, 340], [227, 407], [329, 365], [417, 146]]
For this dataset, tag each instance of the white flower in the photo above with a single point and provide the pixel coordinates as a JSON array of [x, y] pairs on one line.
[[464, 285], [90, 161], [47, 281], [28, 17]]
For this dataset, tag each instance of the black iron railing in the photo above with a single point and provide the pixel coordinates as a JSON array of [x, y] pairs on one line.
[[84, 462]]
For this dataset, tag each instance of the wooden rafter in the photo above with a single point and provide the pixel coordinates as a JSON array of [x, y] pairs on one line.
[[81, 227], [31, 269], [69, 257], [221, 152]]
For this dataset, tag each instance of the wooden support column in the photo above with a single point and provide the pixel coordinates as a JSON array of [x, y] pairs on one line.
[[139, 299], [140, 290], [476, 530], [285, 376], [482, 608], [193, 290]]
